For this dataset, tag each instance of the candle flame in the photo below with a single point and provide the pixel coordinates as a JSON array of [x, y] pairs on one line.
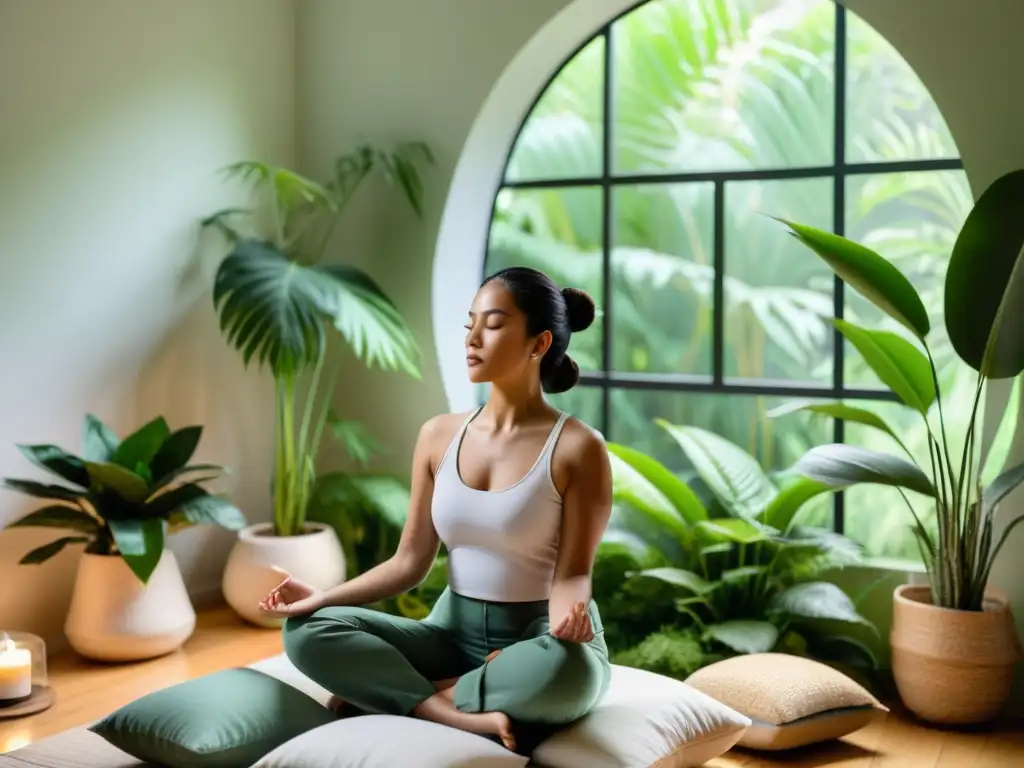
[[8, 644]]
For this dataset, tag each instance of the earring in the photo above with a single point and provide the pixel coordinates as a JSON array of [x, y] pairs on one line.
[[533, 357]]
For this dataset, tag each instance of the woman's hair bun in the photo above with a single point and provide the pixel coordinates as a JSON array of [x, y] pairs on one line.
[[581, 308], [562, 377]]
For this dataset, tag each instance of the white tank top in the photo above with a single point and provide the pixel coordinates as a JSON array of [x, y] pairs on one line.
[[502, 545]]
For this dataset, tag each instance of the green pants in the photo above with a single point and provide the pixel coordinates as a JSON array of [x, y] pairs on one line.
[[385, 664]]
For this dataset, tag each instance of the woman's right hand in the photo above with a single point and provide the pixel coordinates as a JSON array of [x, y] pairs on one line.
[[292, 598]]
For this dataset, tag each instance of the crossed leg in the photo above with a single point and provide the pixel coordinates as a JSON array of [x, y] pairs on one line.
[[386, 664]]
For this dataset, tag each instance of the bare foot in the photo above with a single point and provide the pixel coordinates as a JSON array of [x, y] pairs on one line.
[[337, 706], [440, 708], [502, 726]]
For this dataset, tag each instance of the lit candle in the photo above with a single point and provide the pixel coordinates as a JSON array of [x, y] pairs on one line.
[[15, 671]]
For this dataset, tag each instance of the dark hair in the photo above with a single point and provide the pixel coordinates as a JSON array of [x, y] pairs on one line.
[[563, 311]]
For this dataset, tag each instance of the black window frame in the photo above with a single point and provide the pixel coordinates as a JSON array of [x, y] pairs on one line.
[[606, 380]]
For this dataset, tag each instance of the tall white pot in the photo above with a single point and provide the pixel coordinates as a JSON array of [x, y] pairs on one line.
[[115, 617], [315, 558]]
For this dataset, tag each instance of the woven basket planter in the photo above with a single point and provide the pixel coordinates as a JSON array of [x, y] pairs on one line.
[[952, 667]]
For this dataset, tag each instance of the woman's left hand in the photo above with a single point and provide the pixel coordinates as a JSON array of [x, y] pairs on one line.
[[575, 625]]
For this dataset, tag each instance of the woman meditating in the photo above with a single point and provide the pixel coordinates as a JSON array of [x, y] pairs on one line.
[[520, 494]]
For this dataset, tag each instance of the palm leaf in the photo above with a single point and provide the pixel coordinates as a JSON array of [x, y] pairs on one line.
[[273, 310]]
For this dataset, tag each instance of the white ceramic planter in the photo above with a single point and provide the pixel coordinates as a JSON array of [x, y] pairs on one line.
[[115, 617], [315, 558]]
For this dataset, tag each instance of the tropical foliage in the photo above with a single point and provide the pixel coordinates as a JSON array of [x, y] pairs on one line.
[[122, 497], [689, 573], [278, 301], [984, 301], [753, 91]]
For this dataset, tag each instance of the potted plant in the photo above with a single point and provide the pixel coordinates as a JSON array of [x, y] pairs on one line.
[[693, 571], [279, 302], [953, 640], [120, 499]]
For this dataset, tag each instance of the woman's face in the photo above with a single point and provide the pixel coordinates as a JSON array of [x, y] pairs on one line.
[[497, 345]]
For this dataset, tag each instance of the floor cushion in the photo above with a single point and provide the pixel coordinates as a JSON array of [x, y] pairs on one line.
[[645, 721], [791, 701], [229, 719], [383, 741]]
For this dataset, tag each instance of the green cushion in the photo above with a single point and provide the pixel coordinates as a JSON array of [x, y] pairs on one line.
[[229, 719]]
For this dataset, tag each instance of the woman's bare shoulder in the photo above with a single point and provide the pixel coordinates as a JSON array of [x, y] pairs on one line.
[[437, 433], [581, 453]]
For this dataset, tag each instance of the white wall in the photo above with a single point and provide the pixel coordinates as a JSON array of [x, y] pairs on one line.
[[116, 116]]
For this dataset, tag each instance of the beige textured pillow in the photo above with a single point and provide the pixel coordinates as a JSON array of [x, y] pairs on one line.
[[792, 701]]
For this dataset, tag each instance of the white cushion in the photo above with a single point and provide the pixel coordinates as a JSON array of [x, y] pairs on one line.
[[645, 720], [281, 667], [386, 741]]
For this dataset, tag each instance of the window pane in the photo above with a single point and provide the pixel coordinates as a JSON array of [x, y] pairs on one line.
[[582, 402], [890, 115], [558, 231], [778, 294], [707, 85], [876, 515], [661, 296], [776, 443], [912, 219], [562, 138]]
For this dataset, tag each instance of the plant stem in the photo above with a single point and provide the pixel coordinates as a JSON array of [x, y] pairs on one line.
[[953, 480], [285, 471]]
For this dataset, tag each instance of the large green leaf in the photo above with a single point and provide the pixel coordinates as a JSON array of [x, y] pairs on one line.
[[736, 529], [623, 543], [841, 466], [98, 441], [122, 481], [899, 364], [58, 516], [211, 510], [45, 552], [631, 487], [175, 452], [744, 636], [817, 600], [1002, 487], [274, 310], [657, 474], [843, 412], [678, 577], [871, 275], [142, 445], [164, 504], [794, 492], [984, 300], [212, 471], [141, 544], [732, 474], [58, 461], [42, 490]]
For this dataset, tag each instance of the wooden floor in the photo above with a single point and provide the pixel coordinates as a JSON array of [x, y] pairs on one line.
[[87, 691]]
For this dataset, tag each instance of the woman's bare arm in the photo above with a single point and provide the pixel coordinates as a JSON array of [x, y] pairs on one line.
[[586, 508], [417, 548]]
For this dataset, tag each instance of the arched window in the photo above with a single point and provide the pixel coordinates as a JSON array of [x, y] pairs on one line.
[[647, 173]]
